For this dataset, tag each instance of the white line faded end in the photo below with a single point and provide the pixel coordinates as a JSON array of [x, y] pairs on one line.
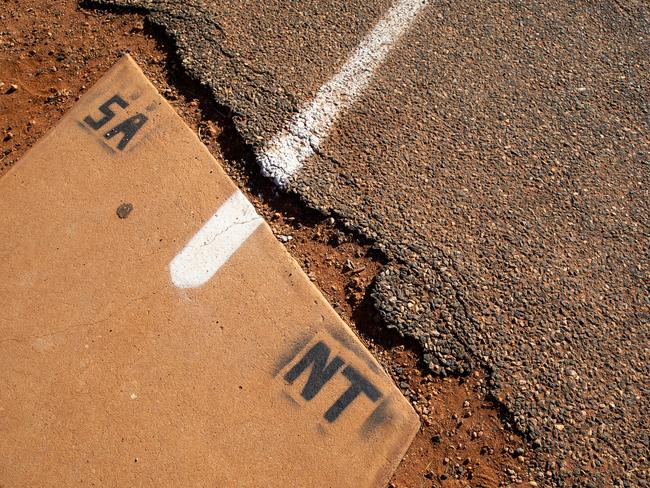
[[283, 155], [211, 247]]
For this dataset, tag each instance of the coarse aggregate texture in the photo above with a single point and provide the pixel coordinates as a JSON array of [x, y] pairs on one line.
[[500, 159]]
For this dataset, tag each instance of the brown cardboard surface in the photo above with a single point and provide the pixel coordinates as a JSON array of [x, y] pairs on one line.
[[112, 375]]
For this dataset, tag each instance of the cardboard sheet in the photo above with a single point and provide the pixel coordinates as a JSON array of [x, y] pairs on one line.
[[153, 331]]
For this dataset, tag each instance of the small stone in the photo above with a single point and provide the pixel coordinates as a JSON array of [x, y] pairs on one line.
[[12, 88], [284, 239], [138, 27], [436, 439], [518, 452], [485, 450], [124, 210]]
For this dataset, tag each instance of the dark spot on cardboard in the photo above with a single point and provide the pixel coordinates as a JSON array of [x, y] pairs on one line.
[[124, 210]]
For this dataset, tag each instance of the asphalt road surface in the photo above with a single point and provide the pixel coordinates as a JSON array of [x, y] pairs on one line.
[[499, 155]]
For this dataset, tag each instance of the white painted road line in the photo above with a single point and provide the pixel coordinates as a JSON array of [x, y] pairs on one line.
[[211, 247], [236, 219], [283, 155]]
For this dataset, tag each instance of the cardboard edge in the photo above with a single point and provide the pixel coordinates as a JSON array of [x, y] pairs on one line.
[[404, 444]]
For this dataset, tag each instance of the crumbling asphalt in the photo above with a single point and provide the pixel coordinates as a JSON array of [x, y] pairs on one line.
[[500, 160]]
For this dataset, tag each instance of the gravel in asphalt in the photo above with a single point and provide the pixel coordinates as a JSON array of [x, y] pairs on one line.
[[501, 161]]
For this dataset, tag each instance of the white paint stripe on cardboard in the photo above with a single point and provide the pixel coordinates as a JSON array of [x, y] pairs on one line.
[[283, 155], [211, 247]]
